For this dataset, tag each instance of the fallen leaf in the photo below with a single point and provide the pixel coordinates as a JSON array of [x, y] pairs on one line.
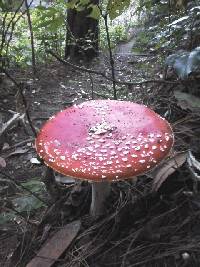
[[6, 217], [34, 185], [2, 162], [27, 203], [187, 101], [35, 161], [55, 246], [5, 146], [193, 162], [29, 144], [168, 167]]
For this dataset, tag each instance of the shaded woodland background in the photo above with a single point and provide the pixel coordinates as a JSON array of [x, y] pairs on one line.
[[54, 54]]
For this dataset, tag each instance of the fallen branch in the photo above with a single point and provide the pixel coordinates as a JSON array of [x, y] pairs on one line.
[[194, 165], [54, 247], [23, 99], [19, 144], [6, 126], [194, 168], [65, 62]]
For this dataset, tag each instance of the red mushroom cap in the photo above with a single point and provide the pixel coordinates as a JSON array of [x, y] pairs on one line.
[[104, 140]]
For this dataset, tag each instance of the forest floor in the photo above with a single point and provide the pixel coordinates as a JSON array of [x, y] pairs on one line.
[[142, 227]]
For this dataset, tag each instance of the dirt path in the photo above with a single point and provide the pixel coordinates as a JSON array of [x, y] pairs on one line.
[[125, 48]]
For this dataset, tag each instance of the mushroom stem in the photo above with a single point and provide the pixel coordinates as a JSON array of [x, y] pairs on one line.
[[100, 192]]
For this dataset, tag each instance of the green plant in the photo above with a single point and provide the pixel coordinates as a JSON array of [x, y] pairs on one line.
[[24, 203], [184, 63], [117, 33], [142, 41], [49, 27]]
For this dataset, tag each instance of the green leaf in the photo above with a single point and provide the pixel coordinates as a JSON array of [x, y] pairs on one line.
[[116, 7], [41, 8], [95, 13], [6, 217], [34, 185], [184, 63], [2, 5], [180, 66], [193, 63], [80, 8], [84, 2], [51, 25], [27, 203], [55, 24], [170, 60], [43, 24], [72, 4], [187, 101]]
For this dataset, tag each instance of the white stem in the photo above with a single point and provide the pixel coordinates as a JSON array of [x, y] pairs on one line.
[[100, 191]]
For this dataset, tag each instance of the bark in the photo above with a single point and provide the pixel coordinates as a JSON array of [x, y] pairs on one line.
[[82, 34]]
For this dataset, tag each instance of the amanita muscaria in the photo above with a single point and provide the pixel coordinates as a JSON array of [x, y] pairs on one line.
[[103, 141]]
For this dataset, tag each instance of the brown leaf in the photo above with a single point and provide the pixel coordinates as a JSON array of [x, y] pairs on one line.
[[2, 162], [55, 246], [169, 167]]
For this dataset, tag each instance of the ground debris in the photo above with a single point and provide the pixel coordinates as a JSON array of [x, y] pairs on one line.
[[140, 228], [55, 246]]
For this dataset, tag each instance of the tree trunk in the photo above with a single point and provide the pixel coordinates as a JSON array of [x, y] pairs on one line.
[[82, 34]]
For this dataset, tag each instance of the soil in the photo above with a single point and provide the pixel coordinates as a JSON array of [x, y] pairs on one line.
[[141, 227]]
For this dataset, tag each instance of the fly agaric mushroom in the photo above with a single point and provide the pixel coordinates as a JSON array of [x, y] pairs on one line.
[[103, 141]]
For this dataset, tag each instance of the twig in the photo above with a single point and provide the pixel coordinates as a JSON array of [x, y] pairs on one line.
[[187, 118], [92, 85], [3, 32], [134, 55], [10, 28], [23, 187], [105, 17], [6, 126], [19, 144], [65, 62], [101, 95], [50, 183], [11, 23], [23, 99], [20, 215], [192, 164]]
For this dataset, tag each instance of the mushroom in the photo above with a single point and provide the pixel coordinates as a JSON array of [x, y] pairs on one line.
[[103, 141]]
